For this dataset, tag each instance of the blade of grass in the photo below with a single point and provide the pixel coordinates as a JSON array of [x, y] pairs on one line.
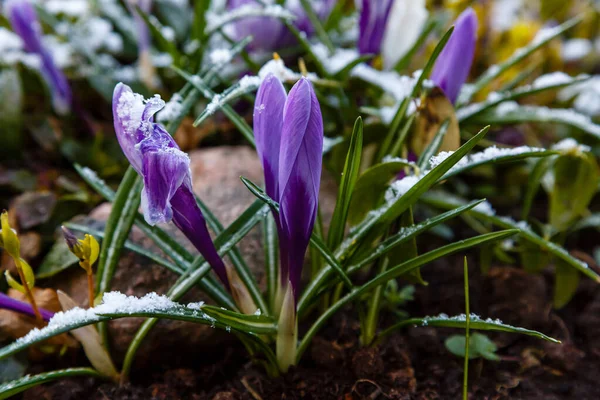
[[467, 326], [349, 178], [403, 236], [447, 200], [391, 210], [495, 71], [234, 117], [395, 272], [433, 147], [12, 388]]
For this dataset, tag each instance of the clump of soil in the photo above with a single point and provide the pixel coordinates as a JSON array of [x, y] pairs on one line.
[[411, 364]]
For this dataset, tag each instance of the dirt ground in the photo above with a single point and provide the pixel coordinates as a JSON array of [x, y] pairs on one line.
[[411, 364]]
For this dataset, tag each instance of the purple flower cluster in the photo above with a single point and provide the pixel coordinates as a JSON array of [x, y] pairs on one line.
[[289, 139], [24, 21], [270, 33]]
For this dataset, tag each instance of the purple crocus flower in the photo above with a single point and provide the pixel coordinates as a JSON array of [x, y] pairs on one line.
[[289, 139], [270, 33], [8, 303], [372, 22], [454, 62], [152, 152], [24, 22], [142, 31]]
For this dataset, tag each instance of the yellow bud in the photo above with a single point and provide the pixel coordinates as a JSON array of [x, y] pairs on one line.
[[91, 249], [10, 240]]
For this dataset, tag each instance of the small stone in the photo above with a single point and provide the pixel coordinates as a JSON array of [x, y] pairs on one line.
[[33, 208]]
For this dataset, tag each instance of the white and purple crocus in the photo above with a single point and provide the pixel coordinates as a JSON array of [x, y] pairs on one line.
[[24, 21], [390, 27], [452, 67], [165, 169], [270, 33], [289, 138]]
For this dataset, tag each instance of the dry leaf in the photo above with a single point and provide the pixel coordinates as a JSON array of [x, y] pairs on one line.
[[434, 110]]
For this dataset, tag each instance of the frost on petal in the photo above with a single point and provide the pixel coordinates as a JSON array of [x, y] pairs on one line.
[[164, 168], [128, 108], [300, 163], [268, 123]]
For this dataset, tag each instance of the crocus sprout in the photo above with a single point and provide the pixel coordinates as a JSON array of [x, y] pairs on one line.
[[165, 169], [289, 140], [390, 28], [9, 241], [9, 303], [24, 21], [87, 251], [454, 62]]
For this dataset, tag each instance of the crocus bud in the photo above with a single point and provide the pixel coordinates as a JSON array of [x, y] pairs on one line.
[[8, 303], [390, 27], [87, 250], [372, 22], [454, 62], [165, 169], [300, 163], [24, 22], [289, 140]]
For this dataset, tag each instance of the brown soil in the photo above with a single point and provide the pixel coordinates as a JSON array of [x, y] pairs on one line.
[[412, 364]]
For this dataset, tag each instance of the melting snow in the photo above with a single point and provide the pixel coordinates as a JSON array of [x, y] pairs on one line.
[[399, 86], [220, 56], [171, 110], [570, 144], [112, 303], [576, 49], [337, 61]]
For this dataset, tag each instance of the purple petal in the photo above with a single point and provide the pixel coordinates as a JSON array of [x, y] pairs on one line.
[[373, 18], [268, 123], [266, 32], [454, 63], [189, 219], [142, 31], [8, 303], [24, 22], [300, 163], [164, 168]]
